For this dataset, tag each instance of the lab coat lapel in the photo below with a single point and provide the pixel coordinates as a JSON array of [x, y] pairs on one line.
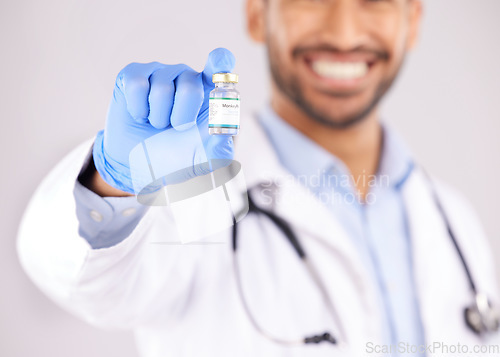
[[440, 280], [308, 217], [292, 201]]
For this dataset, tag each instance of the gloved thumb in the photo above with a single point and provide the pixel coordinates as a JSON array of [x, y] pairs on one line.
[[219, 60], [219, 151]]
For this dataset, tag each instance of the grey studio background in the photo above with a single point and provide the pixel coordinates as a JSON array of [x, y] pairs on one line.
[[58, 62]]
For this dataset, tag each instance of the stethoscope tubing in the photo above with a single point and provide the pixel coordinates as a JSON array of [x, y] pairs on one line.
[[294, 241]]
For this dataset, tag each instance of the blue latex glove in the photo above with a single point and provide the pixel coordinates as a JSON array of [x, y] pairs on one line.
[[157, 126]]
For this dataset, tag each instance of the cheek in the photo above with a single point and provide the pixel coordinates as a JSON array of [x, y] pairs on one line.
[[392, 31], [291, 28]]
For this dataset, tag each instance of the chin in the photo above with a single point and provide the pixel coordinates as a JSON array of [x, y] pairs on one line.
[[335, 115]]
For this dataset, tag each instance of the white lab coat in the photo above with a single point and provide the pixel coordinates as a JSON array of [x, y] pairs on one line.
[[181, 300]]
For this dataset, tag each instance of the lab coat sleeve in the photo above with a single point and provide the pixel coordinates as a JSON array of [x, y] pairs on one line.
[[114, 287]]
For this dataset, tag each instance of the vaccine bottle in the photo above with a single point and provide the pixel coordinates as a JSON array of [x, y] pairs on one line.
[[224, 105]]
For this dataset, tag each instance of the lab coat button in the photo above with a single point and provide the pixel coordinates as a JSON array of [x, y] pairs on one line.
[[128, 212], [96, 216]]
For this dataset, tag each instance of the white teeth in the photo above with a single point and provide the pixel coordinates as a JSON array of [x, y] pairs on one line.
[[340, 70]]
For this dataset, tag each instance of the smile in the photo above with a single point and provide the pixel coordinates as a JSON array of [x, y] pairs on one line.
[[340, 70], [340, 73]]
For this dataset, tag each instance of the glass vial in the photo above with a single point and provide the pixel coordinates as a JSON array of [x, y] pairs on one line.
[[224, 105]]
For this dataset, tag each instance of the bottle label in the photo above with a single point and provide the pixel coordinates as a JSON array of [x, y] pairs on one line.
[[224, 113]]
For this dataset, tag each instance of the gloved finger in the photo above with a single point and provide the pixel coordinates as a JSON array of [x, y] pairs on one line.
[[133, 81], [188, 100], [219, 60], [161, 95]]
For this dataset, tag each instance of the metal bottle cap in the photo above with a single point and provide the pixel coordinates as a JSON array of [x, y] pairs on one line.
[[225, 78]]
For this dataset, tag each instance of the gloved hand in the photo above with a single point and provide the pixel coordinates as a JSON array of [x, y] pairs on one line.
[[157, 126]]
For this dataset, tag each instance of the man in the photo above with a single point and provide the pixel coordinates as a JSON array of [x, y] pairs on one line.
[[382, 275]]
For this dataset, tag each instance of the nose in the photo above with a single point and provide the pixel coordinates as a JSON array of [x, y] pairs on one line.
[[343, 25]]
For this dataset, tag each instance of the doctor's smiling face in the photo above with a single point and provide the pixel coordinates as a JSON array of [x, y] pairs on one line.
[[333, 60]]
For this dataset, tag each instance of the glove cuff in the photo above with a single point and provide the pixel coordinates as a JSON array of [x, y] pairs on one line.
[[112, 172]]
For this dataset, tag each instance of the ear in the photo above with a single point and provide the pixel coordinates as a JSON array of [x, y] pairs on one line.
[[415, 16], [255, 19]]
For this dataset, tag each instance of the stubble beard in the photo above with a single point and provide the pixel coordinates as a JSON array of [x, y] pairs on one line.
[[289, 85]]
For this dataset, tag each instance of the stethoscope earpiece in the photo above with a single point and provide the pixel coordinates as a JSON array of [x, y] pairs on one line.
[[481, 316]]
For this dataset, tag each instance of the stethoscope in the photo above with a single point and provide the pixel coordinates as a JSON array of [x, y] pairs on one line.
[[480, 316]]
